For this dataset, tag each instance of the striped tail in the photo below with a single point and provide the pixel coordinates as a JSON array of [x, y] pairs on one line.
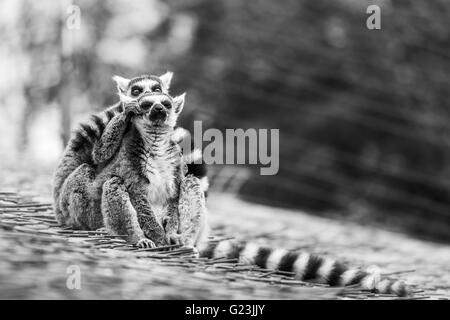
[[79, 151], [305, 266], [80, 145]]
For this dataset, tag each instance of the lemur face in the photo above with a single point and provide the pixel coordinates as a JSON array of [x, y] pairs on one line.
[[161, 109], [152, 94]]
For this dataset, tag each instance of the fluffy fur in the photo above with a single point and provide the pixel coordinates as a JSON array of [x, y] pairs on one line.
[[125, 171], [305, 266]]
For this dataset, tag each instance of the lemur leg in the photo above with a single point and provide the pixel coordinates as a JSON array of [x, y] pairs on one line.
[[68, 164], [171, 223], [79, 202], [193, 227], [119, 215], [147, 218]]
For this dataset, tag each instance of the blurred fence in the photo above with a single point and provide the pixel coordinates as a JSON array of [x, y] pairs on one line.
[[363, 114]]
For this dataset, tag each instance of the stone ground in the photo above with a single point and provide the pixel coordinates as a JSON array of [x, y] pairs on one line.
[[36, 266]]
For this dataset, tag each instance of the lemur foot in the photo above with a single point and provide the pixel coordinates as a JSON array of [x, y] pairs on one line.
[[174, 238], [160, 239], [195, 252], [145, 244]]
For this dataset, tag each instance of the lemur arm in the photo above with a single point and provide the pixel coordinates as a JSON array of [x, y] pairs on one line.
[[109, 142], [172, 222], [147, 218]]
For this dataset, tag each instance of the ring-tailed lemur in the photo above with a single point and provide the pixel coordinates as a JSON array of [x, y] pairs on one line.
[[111, 156], [124, 170]]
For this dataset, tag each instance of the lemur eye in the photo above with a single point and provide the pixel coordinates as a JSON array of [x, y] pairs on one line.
[[167, 104], [157, 88], [136, 91]]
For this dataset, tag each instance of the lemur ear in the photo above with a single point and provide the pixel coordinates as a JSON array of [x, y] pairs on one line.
[[122, 83], [178, 102], [166, 78]]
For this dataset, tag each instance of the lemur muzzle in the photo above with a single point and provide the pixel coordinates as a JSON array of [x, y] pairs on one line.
[[156, 105]]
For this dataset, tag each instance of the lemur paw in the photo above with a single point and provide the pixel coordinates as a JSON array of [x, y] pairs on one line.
[[195, 252], [145, 244], [101, 230], [174, 238], [132, 108], [161, 242]]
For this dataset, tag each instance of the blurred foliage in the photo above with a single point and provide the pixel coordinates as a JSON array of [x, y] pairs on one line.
[[363, 114]]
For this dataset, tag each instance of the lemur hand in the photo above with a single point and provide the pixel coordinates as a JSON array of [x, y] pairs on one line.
[[174, 238], [132, 109], [158, 237], [145, 243], [170, 225]]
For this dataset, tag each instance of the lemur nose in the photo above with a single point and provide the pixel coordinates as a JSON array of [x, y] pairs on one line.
[[158, 107]]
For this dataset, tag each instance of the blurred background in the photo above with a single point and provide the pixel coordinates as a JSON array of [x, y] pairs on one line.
[[363, 114]]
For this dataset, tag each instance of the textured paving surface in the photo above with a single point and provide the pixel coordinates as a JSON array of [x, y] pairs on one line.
[[34, 262], [361, 245]]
